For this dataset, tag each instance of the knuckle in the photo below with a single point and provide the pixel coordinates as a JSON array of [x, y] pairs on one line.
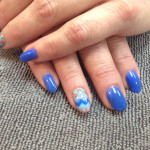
[[77, 32], [124, 58], [51, 51], [70, 74], [104, 71], [115, 39], [129, 10], [3, 15], [45, 8]]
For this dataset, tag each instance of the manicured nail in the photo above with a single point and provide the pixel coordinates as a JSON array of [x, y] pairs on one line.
[[116, 98], [50, 83], [28, 55], [2, 40], [133, 81], [81, 100]]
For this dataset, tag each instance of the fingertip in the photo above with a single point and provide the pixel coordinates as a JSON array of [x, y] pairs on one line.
[[45, 75], [50, 83], [116, 98], [133, 81], [29, 55], [2, 40], [81, 100]]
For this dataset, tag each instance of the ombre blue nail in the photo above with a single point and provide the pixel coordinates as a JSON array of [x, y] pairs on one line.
[[50, 83], [116, 98], [133, 81], [28, 55]]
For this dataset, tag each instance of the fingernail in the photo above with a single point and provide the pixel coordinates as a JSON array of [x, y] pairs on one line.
[[81, 100], [50, 83], [133, 81], [2, 40], [116, 98], [29, 55]]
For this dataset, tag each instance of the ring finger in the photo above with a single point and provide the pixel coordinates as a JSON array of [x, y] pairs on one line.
[[105, 76]]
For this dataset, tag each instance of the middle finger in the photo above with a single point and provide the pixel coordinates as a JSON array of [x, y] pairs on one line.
[[103, 72]]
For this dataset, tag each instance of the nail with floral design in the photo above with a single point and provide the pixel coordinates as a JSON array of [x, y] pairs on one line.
[[2, 40], [81, 100]]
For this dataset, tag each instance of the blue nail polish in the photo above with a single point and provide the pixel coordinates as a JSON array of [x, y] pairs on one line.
[[28, 55], [81, 100], [116, 98], [50, 83], [2, 40], [133, 81]]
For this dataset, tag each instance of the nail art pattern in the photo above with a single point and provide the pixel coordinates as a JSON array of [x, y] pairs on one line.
[[81, 100], [2, 40]]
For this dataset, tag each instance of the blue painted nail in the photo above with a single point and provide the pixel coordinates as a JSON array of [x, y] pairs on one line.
[[116, 98], [50, 83], [2, 40], [81, 100], [133, 81], [28, 55]]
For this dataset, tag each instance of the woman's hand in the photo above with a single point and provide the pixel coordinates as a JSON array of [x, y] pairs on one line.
[[109, 64], [42, 15], [113, 18], [108, 18]]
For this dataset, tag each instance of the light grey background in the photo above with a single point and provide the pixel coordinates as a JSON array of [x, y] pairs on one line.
[[31, 118]]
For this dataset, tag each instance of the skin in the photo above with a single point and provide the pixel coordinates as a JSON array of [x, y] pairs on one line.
[[79, 32], [113, 20]]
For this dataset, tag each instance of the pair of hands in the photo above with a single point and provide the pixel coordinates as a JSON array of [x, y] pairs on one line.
[[53, 30]]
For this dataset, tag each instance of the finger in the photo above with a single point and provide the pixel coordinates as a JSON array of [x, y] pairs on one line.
[[106, 79], [74, 82], [125, 63], [45, 75], [40, 17], [10, 9], [85, 30]]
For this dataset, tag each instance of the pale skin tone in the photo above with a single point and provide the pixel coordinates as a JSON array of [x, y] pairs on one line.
[[97, 28]]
